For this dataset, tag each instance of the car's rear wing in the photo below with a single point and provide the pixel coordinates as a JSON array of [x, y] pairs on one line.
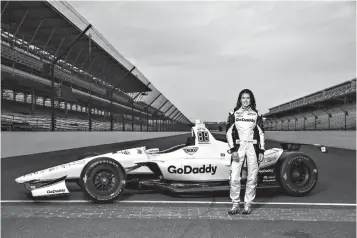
[[290, 146]]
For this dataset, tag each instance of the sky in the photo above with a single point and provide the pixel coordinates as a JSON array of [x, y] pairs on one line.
[[200, 55]]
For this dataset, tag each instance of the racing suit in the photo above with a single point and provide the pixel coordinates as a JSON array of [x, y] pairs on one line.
[[245, 135]]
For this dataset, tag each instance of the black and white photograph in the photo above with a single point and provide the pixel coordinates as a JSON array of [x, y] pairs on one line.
[[179, 119]]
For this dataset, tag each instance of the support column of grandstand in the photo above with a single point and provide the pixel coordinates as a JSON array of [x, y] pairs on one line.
[[95, 87]]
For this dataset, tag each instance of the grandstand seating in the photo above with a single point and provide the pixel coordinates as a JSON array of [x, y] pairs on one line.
[[18, 115], [333, 92], [329, 118], [15, 121], [322, 122]]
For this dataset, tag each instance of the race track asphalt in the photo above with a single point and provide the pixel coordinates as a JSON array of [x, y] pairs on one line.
[[337, 175]]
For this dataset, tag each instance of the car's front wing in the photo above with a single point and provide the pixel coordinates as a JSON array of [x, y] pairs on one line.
[[49, 188]]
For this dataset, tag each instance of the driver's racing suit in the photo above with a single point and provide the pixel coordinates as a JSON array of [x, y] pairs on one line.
[[245, 134]]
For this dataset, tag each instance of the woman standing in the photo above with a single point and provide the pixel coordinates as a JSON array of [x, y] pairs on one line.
[[245, 136]]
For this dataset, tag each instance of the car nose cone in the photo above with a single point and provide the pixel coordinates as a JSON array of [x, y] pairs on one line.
[[19, 179]]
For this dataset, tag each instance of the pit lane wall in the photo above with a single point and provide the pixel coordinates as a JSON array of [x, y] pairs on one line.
[[337, 139], [26, 143]]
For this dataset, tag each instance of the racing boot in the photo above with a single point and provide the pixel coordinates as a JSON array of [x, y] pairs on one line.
[[234, 210], [247, 210]]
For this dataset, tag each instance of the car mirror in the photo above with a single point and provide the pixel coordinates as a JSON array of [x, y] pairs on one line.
[[323, 149]]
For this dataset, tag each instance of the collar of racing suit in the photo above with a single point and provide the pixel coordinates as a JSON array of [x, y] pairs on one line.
[[245, 108]]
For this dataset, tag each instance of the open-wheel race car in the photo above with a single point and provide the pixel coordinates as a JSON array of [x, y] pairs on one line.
[[202, 164]]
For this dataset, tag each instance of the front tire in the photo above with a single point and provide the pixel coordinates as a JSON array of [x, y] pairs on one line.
[[298, 174], [103, 180]]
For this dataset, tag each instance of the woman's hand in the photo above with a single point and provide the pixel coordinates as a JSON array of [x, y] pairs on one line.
[[235, 156]]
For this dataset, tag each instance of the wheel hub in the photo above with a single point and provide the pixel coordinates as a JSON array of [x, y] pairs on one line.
[[296, 174], [104, 180], [299, 173]]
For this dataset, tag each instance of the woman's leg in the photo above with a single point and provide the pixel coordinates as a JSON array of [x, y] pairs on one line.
[[252, 177], [235, 184]]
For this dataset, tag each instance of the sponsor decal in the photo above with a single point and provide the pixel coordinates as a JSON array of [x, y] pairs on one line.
[[124, 152], [298, 158], [55, 191], [266, 170], [269, 180], [76, 162], [190, 150], [250, 141], [85, 178], [139, 151], [65, 165], [245, 120], [187, 169], [223, 155]]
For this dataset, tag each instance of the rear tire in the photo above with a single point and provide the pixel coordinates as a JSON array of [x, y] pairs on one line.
[[298, 174], [103, 180]]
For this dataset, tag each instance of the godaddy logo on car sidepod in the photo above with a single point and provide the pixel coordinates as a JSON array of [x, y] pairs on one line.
[[187, 169]]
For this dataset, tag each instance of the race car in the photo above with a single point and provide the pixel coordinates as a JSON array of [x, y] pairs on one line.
[[201, 164]]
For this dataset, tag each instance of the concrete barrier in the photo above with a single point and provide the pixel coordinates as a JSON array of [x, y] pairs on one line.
[[337, 139], [26, 143]]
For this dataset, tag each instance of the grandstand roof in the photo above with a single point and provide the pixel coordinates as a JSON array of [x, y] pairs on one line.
[[58, 26], [50, 27]]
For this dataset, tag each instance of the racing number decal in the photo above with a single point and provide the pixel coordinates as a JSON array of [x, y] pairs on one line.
[[203, 136]]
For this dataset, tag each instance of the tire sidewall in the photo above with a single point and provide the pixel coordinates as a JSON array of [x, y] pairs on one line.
[[285, 177], [94, 167], [84, 156]]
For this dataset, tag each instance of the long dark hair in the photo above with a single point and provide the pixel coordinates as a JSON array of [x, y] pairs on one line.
[[252, 99]]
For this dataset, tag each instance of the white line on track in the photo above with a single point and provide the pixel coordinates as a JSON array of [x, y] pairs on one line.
[[180, 202]]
